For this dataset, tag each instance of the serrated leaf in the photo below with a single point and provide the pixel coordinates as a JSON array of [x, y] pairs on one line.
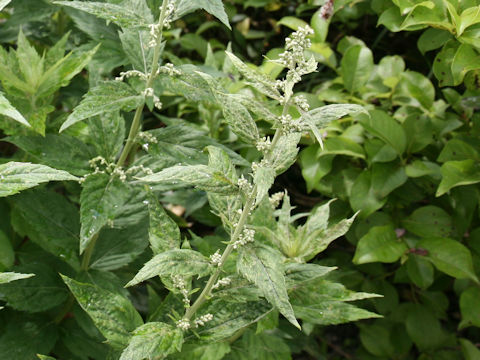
[[200, 176], [153, 340], [258, 80], [106, 133], [6, 277], [18, 176], [214, 7], [8, 110], [111, 313], [164, 233], [50, 221], [178, 261], [323, 115], [120, 15], [263, 266], [108, 96], [101, 195], [297, 273], [285, 153], [331, 313]]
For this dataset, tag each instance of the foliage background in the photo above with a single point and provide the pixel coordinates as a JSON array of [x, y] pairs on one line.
[[412, 169]]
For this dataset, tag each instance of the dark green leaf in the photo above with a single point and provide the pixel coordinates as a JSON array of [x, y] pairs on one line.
[[214, 7], [429, 221], [356, 67], [8, 110], [379, 244], [469, 305]]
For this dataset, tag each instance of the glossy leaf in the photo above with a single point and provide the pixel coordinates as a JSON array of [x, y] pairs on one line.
[[18, 176], [429, 221]]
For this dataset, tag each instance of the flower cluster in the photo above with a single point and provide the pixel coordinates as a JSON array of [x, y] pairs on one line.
[[183, 324], [289, 125], [203, 319], [149, 92], [169, 14], [276, 198], [179, 283], [301, 102], [216, 259], [248, 235], [244, 185], [264, 144], [295, 46], [169, 69], [131, 73], [222, 282]]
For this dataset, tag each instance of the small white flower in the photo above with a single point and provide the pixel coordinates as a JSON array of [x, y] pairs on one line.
[[222, 282], [183, 324], [276, 198], [264, 144], [203, 319], [216, 259]]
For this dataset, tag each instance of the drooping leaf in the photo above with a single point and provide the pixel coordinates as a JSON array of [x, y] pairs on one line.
[[214, 7], [50, 221], [450, 257], [379, 244], [112, 314], [153, 340], [263, 266], [178, 261], [120, 15], [101, 195], [200, 176], [108, 96], [6, 277], [18, 176], [8, 110]]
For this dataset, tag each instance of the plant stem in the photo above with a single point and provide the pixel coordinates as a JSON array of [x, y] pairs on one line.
[[87, 255]]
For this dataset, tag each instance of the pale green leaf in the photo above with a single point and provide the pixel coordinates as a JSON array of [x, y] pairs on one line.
[[379, 244], [331, 313], [4, 3], [457, 173], [468, 18], [298, 273], [120, 15], [285, 153], [263, 266], [101, 195], [108, 96], [153, 340], [6, 277], [214, 7], [18, 176], [200, 176], [323, 115], [178, 261], [8, 110], [111, 313], [263, 178]]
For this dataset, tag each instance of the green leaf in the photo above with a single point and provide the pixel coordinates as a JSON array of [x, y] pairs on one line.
[[450, 257], [178, 261], [258, 80], [323, 115], [50, 221], [263, 266], [363, 195], [414, 89], [40, 332], [153, 340], [7, 255], [386, 128], [457, 173], [465, 60], [432, 39], [6, 277], [108, 96], [164, 233], [356, 67], [111, 313], [120, 15], [8, 110], [106, 133], [429, 221], [260, 346], [420, 271], [469, 350], [457, 149], [297, 273], [468, 17], [213, 351], [331, 312], [44, 357], [200, 176], [379, 244], [214, 7], [18, 176], [101, 195], [424, 328], [60, 152], [285, 153], [469, 305], [41, 292]]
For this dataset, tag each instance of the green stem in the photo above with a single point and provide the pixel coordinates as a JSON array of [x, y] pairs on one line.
[[87, 255], [65, 310]]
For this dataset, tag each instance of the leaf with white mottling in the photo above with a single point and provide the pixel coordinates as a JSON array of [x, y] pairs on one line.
[[108, 96], [4, 3], [18, 176], [263, 178], [8, 110], [120, 15], [263, 266], [214, 7], [178, 261], [7, 277], [320, 117], [153, 340], [111, 313]]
